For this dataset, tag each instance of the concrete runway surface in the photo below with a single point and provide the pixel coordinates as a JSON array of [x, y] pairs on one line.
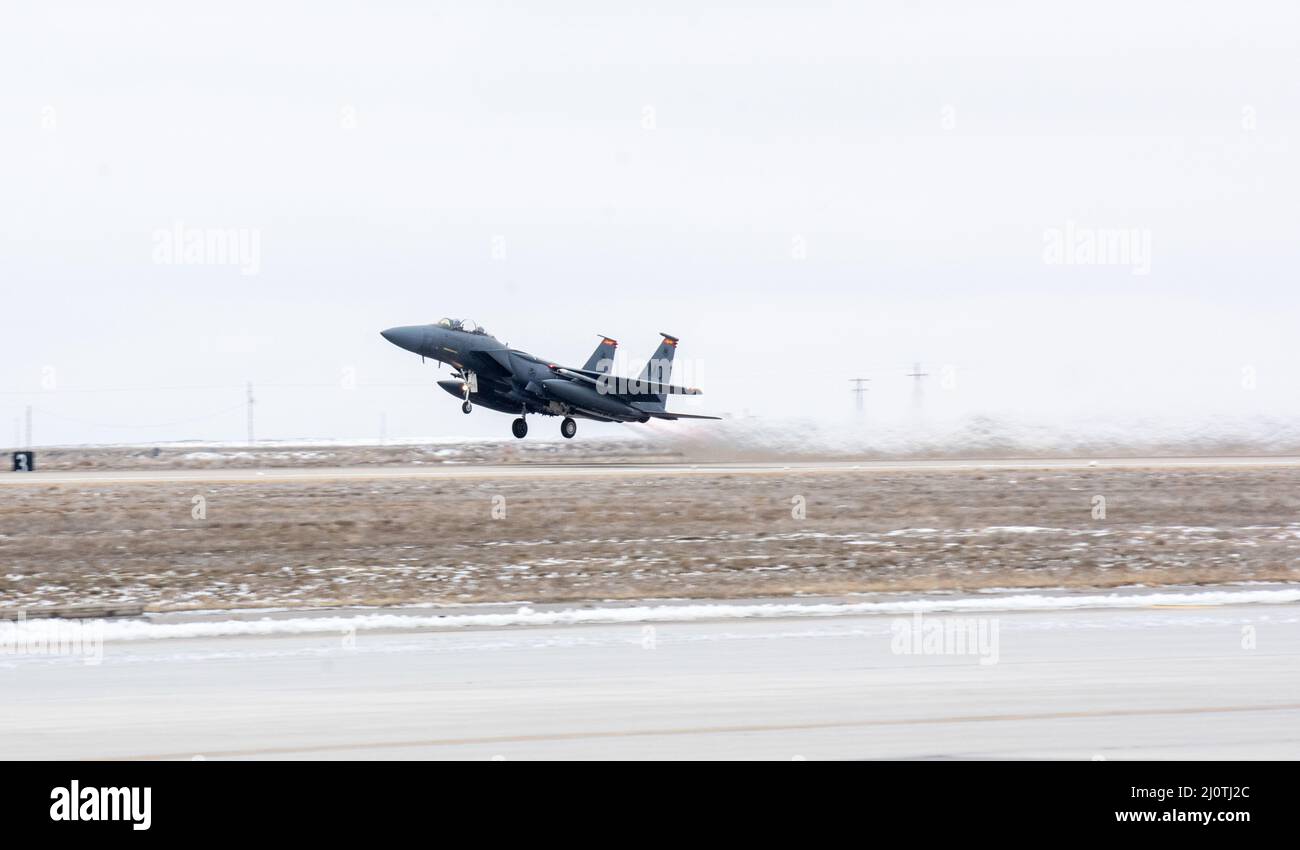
[[1217, 682], [570, 470]]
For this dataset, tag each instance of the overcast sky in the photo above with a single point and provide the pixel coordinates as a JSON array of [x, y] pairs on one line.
[[804, 193]]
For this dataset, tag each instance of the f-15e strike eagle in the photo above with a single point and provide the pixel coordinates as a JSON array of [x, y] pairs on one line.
[[501, 378]]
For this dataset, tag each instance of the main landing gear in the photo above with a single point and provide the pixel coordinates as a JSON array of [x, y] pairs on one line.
[[567, 428]]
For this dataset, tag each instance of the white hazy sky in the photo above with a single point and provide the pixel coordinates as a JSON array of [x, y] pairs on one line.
[[646, 167]]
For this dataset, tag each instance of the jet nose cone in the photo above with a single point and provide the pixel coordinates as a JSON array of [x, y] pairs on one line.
[[406, 337]]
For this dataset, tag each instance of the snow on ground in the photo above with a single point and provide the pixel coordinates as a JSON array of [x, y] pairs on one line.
[[25, 632]]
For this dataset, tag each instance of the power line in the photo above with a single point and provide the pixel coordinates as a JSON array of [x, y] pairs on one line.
[[916, 375], [859, 390], [249, 386]]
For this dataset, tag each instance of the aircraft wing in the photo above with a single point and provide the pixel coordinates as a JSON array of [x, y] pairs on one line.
[[491, 363]]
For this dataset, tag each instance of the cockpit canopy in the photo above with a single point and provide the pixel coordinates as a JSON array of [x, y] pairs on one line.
[[467, 325]]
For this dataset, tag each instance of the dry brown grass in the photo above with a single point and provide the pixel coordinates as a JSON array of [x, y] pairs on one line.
[[719, 536]]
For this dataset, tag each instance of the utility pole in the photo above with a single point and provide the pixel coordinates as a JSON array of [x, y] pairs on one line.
[[250, 413], [916, 375], [859, 389]]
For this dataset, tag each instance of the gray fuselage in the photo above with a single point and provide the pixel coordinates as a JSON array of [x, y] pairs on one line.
[[505, 379]]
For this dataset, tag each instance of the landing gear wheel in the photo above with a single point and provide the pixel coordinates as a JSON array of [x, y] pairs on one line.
[[568, 428], [519, 427], [466, 407]]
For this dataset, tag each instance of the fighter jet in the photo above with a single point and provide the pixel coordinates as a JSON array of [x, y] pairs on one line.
[[495, 376]]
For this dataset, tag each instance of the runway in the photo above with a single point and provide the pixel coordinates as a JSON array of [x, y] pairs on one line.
[[1215, 682], [606, 470]]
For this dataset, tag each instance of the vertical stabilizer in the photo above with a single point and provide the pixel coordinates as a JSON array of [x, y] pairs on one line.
[[602, 359], [660, 368]]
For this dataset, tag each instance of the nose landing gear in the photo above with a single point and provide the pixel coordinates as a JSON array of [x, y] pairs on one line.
[[568, 428], [468, 377]]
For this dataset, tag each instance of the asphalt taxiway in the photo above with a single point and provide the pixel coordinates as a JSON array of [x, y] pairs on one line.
[[1176, 681]]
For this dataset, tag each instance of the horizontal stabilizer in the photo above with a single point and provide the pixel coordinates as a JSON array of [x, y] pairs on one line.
[[625, 387], [663, 414]]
